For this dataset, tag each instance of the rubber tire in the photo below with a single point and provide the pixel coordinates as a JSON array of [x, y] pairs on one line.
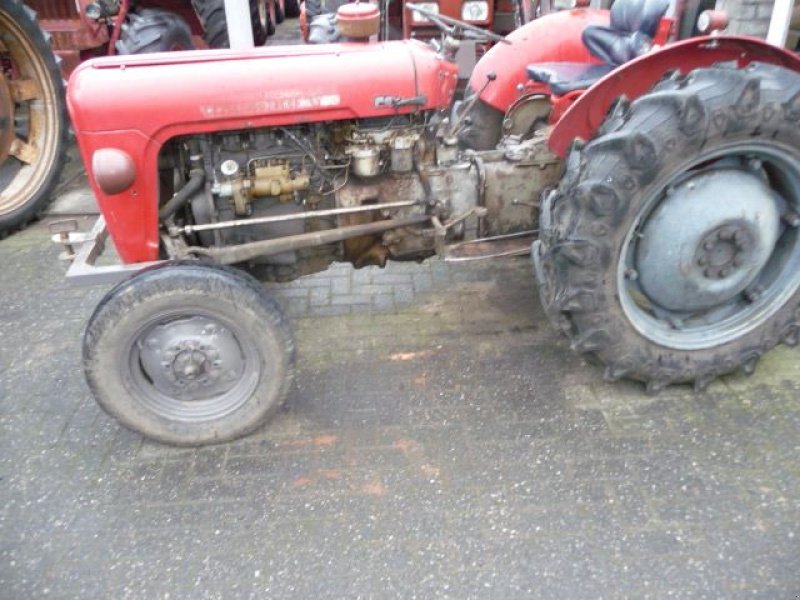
[[585, 221], [215, 24], [291, 8], [234, 294], [154, 30], [41, 195], [280, 14]]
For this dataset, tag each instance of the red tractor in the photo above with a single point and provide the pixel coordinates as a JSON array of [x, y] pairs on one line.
[[46, 40], [658, 188], [318, 17]]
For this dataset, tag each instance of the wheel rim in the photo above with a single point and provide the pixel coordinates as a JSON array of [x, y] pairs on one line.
[[192, 367], [730, 269], [30, 139]]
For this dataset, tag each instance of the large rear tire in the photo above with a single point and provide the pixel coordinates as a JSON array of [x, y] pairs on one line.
[[154, 30], [215, 24], [189, 354], [33, 120], [671, 250]]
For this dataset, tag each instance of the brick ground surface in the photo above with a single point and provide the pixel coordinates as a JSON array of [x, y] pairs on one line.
[[440, 441]]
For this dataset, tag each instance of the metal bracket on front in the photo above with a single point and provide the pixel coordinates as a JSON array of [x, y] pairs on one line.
[[84, 248]]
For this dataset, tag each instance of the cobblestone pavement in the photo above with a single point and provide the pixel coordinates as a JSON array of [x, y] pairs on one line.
[[440, 441]]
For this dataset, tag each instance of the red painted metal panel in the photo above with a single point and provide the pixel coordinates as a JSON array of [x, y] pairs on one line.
[[635, 78], [137, 103], [553, 38], [55, 9]]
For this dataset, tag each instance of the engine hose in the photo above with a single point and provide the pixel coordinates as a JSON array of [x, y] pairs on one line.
[[194, 185]]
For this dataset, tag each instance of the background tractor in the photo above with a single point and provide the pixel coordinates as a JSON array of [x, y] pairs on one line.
[[45, 40]]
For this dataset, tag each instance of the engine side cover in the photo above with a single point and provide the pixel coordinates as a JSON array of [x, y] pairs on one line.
[[137, 103]]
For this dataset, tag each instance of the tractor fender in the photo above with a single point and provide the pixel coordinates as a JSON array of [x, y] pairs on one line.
[[500, 74], [635, 78]]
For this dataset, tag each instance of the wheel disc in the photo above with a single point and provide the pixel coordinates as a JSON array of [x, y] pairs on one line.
[[192, 367], [30, 144], [717, 253]]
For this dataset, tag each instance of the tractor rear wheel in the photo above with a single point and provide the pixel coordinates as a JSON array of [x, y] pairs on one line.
[[189, 354], [671, 250], [33, 119], [154, 30], [215, 24]]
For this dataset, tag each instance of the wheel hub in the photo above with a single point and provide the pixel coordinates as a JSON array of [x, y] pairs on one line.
[[193, 358], [708, 239], [724, 251], [193, 362]]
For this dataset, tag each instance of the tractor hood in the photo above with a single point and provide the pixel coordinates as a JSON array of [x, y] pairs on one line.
[[163, 95], [125, 109]]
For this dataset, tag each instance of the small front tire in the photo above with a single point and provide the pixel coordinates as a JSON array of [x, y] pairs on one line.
[[189, 354]]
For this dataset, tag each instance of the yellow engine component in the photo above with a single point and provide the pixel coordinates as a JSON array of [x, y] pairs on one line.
[[275, 180]]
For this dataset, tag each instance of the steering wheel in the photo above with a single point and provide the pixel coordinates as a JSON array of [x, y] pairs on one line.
[[456, 28]]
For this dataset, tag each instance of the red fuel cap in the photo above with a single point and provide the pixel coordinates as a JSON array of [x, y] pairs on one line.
[[358, 19]]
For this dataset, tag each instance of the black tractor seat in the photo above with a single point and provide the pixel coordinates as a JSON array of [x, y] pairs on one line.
[[565, 77], [633, 25]]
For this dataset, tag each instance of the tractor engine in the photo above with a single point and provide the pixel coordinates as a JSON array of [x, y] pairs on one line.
[[347, 176]]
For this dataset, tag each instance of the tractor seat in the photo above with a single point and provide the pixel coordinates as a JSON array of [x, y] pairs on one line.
[[564, 77], [632, 26]]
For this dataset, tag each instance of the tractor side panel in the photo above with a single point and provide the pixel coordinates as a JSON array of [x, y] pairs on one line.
[[635, 78], [138, 103]]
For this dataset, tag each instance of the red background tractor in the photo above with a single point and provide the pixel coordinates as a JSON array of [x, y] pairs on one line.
[[47, 40]]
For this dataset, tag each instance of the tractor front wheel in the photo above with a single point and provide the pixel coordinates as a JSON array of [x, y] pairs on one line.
[[671, 250], [33, 120], [189, 354]]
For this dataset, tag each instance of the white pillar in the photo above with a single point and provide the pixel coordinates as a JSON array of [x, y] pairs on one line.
[[779, 24], [240, 29]]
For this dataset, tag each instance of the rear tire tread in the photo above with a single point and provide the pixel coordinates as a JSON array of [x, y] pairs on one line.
[[580, 235]]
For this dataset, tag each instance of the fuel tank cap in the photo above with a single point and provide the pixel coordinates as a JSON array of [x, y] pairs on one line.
[[358, 20]]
